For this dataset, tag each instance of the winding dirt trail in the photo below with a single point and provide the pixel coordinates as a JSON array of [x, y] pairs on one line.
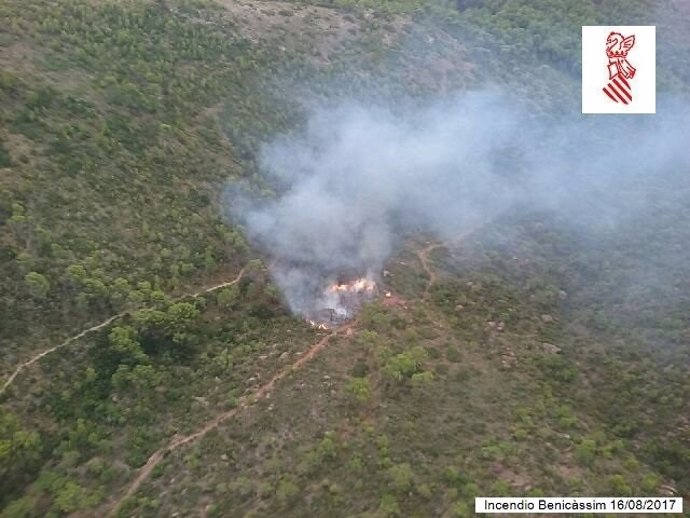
[[424, 259], [177, 442], [40, 355], [214, 287], [105, 323], [424, 254]]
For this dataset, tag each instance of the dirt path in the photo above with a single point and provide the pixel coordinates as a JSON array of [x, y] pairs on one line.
[[177, 442], [40, 355], [424, 258], [424, 254], [103, 324], [214, 287]]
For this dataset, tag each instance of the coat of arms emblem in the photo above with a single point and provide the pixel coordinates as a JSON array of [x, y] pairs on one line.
[[618, 69], [621, 71]]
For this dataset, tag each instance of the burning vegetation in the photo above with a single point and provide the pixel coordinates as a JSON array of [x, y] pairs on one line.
[[340, 301]]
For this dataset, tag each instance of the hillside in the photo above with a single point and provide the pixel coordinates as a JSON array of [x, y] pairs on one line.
[[151, 365]]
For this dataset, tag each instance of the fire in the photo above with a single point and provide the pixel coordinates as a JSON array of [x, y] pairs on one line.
[[356, 286], [339, 302], [318, 325]]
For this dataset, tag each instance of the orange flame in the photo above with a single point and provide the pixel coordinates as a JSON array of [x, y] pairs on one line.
[[362, 285], [339, 301], [318, 325]]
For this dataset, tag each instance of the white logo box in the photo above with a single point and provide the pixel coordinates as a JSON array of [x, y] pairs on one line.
[[596, 67]]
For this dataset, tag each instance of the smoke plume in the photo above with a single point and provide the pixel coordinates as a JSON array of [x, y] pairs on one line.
[[359, 177]]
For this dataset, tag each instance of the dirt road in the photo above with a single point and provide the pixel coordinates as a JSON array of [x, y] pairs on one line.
[[103, 324], [175, 443]]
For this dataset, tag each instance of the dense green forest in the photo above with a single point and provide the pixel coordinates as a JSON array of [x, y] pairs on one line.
[[503, 367]]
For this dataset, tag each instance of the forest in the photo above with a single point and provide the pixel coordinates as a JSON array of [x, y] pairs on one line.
[[150, 365]]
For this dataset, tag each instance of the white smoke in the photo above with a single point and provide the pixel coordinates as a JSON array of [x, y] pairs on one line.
[[360, 176]]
